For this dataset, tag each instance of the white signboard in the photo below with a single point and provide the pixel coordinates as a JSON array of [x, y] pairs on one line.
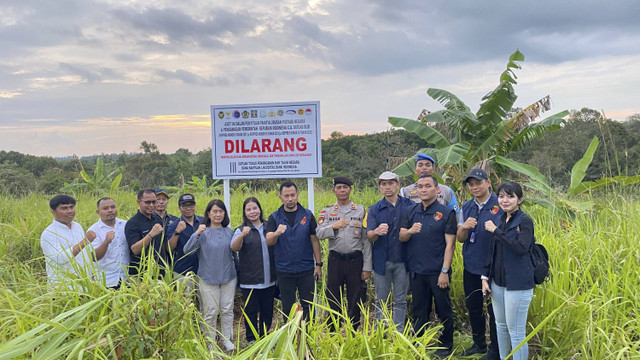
[[274, 140]]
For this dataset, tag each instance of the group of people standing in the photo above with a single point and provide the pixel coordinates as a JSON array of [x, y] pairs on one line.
[[406, 239]]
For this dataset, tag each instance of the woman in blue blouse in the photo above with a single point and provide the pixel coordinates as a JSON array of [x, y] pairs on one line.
[[509, 271], [216, 270]]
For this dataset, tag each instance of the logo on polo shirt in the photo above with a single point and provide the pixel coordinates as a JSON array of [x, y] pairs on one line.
[[495, 210], [303, 221], [437, 216]]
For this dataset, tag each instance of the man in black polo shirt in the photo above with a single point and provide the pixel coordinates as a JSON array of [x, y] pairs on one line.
[[144, 229], [429, 229], [292, 229]]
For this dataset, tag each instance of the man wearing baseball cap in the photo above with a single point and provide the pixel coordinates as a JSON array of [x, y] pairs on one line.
[[349, 260], [425, 164], [179, 233], [475, 238], [383, 229], [162, 200]]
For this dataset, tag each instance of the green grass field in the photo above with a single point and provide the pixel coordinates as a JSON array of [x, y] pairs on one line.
[[589, 310]]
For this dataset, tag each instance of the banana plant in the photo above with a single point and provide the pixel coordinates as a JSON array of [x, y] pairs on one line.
[[481, 136], [578, 187], [99, 183]]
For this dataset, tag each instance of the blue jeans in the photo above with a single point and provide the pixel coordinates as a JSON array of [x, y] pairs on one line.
[[396, 274], [510, 308]]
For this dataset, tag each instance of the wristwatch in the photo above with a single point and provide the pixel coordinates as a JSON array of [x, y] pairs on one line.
[[319, 264], [445, 270]]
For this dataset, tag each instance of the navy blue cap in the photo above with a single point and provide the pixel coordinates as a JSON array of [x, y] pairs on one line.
[[477, 174], [162, 191], [425, 157]]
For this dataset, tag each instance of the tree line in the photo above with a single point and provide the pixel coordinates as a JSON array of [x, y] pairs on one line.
[[362, 157]]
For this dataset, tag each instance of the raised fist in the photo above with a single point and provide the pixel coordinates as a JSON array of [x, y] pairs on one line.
[[201, 228], [245, 230], [155, 230], [382, 229], [281, 229], [416, 228], [181, 226], [110, 236], [90, 235], [342, 223]]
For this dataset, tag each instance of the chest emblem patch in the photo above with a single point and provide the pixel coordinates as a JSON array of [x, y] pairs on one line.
[[303, 221], [437, 216], [495, 210], [333, 214]]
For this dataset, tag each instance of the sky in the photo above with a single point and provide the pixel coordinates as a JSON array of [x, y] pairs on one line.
[[89, 77]]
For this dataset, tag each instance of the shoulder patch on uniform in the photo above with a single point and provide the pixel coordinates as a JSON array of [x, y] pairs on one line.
[[320, 219]]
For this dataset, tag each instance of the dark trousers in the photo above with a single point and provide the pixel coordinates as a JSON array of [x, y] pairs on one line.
[[345, 270], [475, 305], [425, 289], [258, 301], [301, 282]]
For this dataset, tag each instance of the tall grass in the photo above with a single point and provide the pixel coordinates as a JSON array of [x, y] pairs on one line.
[[587, 311]]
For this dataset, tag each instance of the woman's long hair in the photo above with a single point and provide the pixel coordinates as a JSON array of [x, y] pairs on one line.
[[248, 200], [219, 203]]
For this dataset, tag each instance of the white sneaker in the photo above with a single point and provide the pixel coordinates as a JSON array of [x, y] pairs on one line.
[[228, 345]]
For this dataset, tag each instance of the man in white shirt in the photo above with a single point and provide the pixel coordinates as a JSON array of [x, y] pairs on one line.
[[111, 248], [63, 241]]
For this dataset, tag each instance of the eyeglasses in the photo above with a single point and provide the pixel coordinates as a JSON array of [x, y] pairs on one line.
[[149, 202]]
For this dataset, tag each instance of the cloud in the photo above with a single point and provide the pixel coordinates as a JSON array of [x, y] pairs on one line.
[[193, 79]]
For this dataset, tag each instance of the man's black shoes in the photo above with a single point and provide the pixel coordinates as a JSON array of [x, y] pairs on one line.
[[475, 349]]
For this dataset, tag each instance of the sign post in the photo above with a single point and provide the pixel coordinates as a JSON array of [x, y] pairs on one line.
[[273, 140]]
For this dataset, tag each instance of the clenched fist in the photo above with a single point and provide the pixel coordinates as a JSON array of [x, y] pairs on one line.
[[245, 230], [340, 224], [155, 230], [201, 228], [90, 235], [416, 228], [382, 230], [470, 223], [281, 229], [110, 236], [181, 226]]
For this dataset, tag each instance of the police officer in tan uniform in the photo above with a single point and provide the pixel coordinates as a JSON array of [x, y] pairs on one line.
[[343, 224]]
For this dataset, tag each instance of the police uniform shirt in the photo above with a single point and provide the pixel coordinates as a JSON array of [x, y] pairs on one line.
[[349, 239]]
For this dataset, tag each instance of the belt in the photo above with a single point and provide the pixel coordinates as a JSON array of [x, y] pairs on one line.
[[350, 256]]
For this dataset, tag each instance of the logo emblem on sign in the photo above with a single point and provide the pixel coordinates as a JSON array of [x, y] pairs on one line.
[[291, 112], [300, 111], [221, 115], [437, 216], [236, 114], [254, 114], [495, 210], [245, 114], [308, 111], [280, 112], [263, 114]]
